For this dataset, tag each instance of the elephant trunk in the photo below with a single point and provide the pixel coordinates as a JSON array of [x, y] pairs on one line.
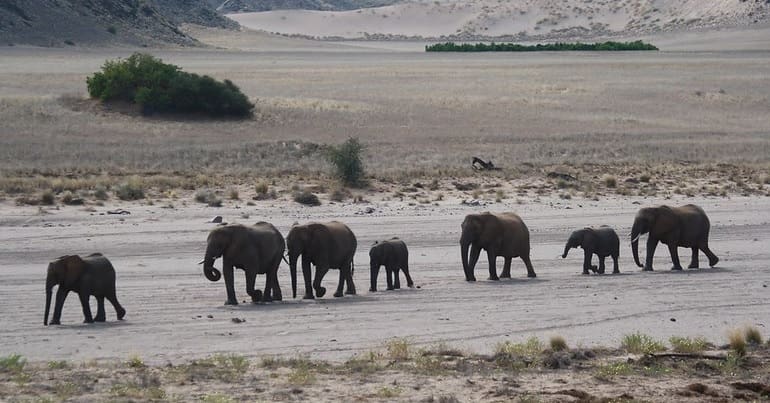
[[48, 292], [567, 247], [209, 270], [465, 244], [293, 272], [636, 232]]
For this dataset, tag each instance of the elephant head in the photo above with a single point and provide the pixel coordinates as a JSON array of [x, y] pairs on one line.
[[576, 239], [376, 257], [657, 221], [474, 228], [216, 244], [64, 272]]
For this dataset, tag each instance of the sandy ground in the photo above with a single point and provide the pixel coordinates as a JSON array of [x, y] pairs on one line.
[[175, 314]]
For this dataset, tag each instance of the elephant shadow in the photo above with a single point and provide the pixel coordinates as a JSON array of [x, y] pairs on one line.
[[294, 304], [606, 275], [703, 270], [503, 282], [95, 326]]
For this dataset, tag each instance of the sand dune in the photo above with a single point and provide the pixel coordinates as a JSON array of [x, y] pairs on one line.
[[525, 18]]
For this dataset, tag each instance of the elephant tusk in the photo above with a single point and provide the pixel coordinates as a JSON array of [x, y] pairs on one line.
[[202, 261], [636, 239]]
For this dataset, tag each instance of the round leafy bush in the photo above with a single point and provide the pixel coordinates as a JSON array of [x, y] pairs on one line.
[[164, 88]]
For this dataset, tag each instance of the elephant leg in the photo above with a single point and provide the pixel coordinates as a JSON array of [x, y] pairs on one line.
[[61, 295], [528, 263], [396, 278], [101, 316], [652, 243], [492, 257], [713, 259], [615, 269], [86, 308], [409, 282], [349, 279], [341, 284], [601, 264], [320, 272], [251, 283], [389, 276], [506, 268], [474, 258], [694, 262], [373, 273], [307, 275], [674, 256], [274, 285], [227, 273], [115, 304], [587, 256]]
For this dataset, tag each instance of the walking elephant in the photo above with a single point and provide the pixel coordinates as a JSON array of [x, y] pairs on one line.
[[500, 234], [327, 246], [257, 249], [686, 226], [394, 255], [92, 275], [602, 242]]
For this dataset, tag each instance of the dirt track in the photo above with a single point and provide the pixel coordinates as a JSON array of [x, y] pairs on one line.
[[174, 313]]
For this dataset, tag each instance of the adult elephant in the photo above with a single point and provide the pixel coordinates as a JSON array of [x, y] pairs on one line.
[[257, 249], [91, 275], [500, 234], [686, 226], [328, 245], [602, 241]]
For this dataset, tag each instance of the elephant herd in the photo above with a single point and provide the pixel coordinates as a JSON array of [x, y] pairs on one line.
[[259, 249]]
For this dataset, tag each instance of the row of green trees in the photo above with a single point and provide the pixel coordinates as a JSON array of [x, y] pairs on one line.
[[558, 46]]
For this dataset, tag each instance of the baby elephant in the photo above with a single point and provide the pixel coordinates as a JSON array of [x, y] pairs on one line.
[[602, 241], [394, 256], [91, 275]]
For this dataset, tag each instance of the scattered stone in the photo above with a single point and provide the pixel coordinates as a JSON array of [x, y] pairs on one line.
[[369, 210], [210, 316], [238, 320], [119, 211], [216, 219], [673, 319], [561, 175], [697, 388]]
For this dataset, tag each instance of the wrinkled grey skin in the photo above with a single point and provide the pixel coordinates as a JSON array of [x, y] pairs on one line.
[[686, 227], [256, 249], [500, 234], [328, 245], [394, 255], [92, 275], [602, 242]]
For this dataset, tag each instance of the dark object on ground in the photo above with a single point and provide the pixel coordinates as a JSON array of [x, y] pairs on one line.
[[481, 165], [119, 211], [560, 175]]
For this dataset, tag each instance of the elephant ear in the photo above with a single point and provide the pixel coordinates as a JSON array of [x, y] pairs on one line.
[[665, 220], [72, 268]]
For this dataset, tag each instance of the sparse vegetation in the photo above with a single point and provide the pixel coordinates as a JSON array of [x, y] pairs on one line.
[[208, 197], [737, 342], [688, 345], [346, 159], [398, 349], [13, 363], [158, 87], [753, 336], [638, 343], [612, 370], [549, 47], [610, 181], [307, 198], [133, 189], [558, 343], [135, 362]]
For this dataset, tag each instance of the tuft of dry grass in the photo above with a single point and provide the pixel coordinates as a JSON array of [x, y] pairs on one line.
[[638, 343], [133, 189], [558, 343], [688, 345], [753, 336], [737, 341], [307, 198], [398, 349], [208, 197], [233, 194]]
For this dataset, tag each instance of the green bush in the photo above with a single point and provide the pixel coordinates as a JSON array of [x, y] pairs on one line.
[[164, 88], [346, 159], [558, 46]]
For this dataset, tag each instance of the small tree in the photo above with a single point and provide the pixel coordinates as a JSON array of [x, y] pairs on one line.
[[346, 159]]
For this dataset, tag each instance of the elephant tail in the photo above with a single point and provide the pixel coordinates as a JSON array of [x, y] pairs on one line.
[[352, 268]]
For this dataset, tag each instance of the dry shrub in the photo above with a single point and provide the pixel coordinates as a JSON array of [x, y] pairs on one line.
[[753, 336], [306, 198], [610, 181], [339, 195], [208, 197], [133, 189], [398, 349], [558, 343], [47, 198], [737, 342], [232, 194]]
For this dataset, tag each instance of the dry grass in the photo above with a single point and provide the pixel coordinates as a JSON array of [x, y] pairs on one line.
[[638, 343], [737, 341], [688, 344], [558, 343], [753, 336]]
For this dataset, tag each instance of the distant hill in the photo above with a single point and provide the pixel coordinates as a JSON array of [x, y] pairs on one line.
[[104, 22], [508, 20], [240, 6]]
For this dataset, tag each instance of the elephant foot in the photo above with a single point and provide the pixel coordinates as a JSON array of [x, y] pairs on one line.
[[713, 262], [278, 297], [100, 319], [372, 290], [410, 285], [88, 321], [594, 269], [586, 272], [647, 268], [469, 279], [389, 288], [308, 296], [231, 302], [54, 322], [267, 298], [531, 274], [257, 296], [320, 292], [505, 275], [616, 272], [338, 294], [348, 292], [121, 313], [676, 268], [693, 265]]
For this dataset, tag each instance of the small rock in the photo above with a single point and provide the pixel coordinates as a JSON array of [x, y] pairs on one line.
[[369, 210], [216, 219], [119, 211], [210, 316], [238, 320], [673, 319]]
